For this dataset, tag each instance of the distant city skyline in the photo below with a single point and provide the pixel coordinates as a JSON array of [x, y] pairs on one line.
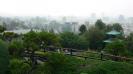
[[66, 7]]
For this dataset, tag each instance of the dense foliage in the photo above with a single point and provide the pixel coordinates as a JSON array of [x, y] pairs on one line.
[[100, 24], [19, 67], [30, 40], [116, 48], [33, 40], [90, 37], [108, 67], [16, 48], [58, 64], [95, 38], [48, 38], [71, 40], [4, 57], [129, 42]]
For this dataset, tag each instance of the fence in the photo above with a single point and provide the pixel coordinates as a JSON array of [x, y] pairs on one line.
[[103, 56], [74, 52]]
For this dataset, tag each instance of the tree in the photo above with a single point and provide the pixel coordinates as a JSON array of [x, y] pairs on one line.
[[4, 57], [18, 66], [48, 38], [108, 28], [82, 29], [31, 40], [117, 47], [71, 40], [16, 48], [117, 27], [129, 42], [95, 38], [100, 24], [2, 29]]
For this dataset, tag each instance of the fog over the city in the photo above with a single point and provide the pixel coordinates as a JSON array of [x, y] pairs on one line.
[[59, 14], [65, 7]]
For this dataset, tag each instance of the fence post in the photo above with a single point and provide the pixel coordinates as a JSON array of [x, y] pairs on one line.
[[101, 55], [71, 52], [85, 58]]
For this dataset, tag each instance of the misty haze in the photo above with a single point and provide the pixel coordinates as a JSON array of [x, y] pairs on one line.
[[66, 37]]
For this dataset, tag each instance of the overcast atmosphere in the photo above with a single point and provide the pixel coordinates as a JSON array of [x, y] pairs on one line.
[[66, 36], [65, 7]]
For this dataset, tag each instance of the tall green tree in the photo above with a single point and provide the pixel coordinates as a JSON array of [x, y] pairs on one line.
[[33, 40], [100, 24], [30, 40], [48, 38], [95, 38], [82, 29], [71, 40], [117, 27]]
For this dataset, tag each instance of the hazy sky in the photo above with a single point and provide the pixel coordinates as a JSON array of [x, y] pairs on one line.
[[65, 7]]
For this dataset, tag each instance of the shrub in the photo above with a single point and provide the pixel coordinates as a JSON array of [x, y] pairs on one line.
[[116, 48], [110, 67], [58, 64], [19, 67], [16, 48]]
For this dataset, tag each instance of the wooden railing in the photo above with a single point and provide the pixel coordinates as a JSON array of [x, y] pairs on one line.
[[74, 52], [103, 56]]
